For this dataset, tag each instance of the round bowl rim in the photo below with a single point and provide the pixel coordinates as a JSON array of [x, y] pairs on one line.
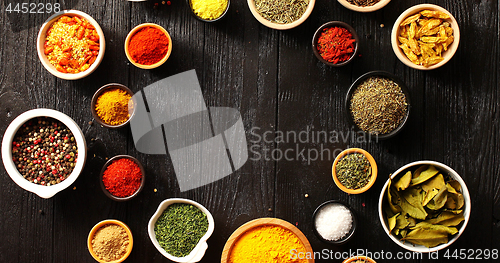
[[351, 259], [206, 20], [412, 10], [373, 165], [332, 24], [267, 23], [109, 162], [110, 222], [199, 251], [41, 39], [226, 252], [365, 9], [96, 96], [41, 190], [351, 232], [137, 28], [465, 192], [353, 88]]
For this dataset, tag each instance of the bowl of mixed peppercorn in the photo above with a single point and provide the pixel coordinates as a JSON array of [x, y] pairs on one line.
[[354, 171], [43, 151], [70, 44], [335, 43]]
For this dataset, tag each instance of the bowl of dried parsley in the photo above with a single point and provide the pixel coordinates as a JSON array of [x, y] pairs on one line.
[[424, 206], [71, 44], [354, 171], [335, 43], [180, 228], [425, 36], [378, 104]]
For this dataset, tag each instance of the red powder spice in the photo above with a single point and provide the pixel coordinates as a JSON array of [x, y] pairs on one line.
[[148, 46], [122, 178], [336, 44]]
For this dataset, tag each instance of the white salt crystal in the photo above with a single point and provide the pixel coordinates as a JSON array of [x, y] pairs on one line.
[[333, 221]]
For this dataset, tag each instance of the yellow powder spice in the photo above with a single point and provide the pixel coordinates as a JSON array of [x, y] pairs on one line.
[[110, 242], [112, 106], [209, 9], [267, 244]]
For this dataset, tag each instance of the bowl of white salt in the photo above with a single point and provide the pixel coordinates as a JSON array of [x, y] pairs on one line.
[[334, 222]]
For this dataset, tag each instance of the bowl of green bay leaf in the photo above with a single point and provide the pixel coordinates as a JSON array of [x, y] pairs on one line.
[[424, 206], [179, 229]]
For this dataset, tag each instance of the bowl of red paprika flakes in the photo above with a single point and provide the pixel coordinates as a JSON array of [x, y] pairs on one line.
[[122, 178], [335, 43], [148, 46]]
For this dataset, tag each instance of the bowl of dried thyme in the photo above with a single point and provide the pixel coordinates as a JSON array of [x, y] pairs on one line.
[[180, 228], [281, 14], [378, 104], [354, 171], [364, 5]]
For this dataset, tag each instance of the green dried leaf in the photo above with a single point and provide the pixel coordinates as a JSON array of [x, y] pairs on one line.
[[394, 208], [403, 232], [392, 222], [439, 200], [411, 204], [425, 237], [436, 182], [455, 201], [401, 222], [445, 229], [456, 185], [424, 176], [420, 170], [454, 221], [429, 196], [403, 182], [451, 189], [447, 219]]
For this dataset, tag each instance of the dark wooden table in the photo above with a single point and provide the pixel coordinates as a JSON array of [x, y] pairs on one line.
[[277, 84]]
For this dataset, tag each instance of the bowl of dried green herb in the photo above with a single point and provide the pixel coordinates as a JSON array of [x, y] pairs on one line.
[[281, 14], [180, 228], [354, 171], [424, 206], [378, 103]]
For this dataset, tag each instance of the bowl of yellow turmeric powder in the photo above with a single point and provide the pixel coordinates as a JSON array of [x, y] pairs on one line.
[[208, 10], [266, 240], [112, 105]]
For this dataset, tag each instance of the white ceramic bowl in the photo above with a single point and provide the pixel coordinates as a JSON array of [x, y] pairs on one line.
[[364, 9], [41, 41], [199, 251], [446, 170], [447, 55], [262, 20], [41, 190]]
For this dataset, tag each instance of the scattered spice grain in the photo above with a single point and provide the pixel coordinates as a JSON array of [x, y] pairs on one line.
[[110, 242], [378, 105], [44, 151]]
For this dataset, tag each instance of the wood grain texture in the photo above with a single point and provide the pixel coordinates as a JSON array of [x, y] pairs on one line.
[[278, 85]]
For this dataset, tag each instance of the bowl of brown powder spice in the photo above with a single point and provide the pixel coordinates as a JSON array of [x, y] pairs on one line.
[[110, 241]]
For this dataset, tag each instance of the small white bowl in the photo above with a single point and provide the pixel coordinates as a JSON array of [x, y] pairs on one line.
[[447, 55], [364, 9], [465, 192], [262, 20], [42, 190], [41, 41], [199, 251]]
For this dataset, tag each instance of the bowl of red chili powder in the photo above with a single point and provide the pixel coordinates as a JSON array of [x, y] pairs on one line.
[[122, 178], [148, 46], [335, 43]]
